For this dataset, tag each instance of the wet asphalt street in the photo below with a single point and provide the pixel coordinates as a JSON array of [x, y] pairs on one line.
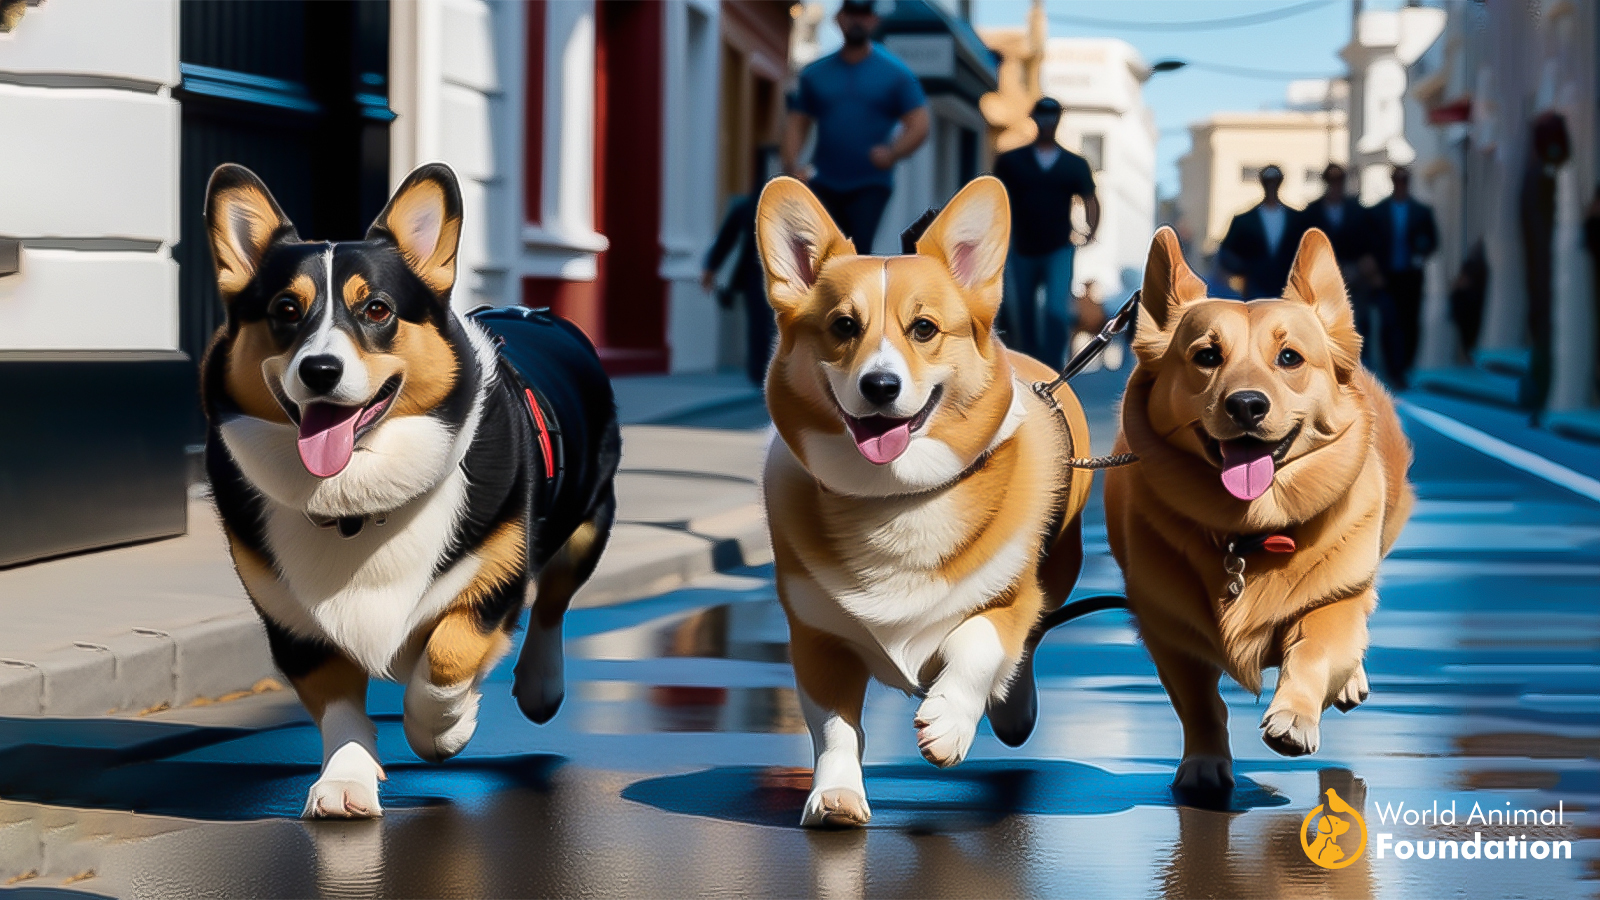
[[678, 766]]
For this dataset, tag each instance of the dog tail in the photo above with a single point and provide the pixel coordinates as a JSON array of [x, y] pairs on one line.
[[1080, 608]]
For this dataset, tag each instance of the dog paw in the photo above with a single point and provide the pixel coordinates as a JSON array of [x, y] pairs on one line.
[[835, 808], [1204, 780], [944, 731], [1354, 692], [1014, 716], [540, 685], [440, 721], [1290, 733], [348, 788]]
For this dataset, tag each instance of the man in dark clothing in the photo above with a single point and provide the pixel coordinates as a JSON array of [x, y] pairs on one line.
[[1402, 237], [739, 231], [1261, 241], [856, 96], [1041, 180], [1344, 220]]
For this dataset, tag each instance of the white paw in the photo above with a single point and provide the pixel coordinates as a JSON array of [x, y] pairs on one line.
[[1354, 692], [945, 730], [440, 720], [1290, 733], [835, 808], [348, 788], [1204, 775]]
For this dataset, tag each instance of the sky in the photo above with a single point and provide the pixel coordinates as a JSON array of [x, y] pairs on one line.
[[1305, 44]]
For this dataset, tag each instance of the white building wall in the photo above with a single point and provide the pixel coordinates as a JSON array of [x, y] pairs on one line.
[[89, 176], [689, 177], [449, 62]]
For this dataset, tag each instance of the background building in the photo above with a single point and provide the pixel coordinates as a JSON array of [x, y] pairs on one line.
[[596, 144], [1486, 104], [1220, 175]]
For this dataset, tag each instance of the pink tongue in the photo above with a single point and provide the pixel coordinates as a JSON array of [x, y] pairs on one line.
[[881, 448], [327, 437], [1247, 473]]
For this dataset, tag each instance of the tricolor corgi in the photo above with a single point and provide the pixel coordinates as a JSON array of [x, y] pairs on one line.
[[393, 477], [923, 517]]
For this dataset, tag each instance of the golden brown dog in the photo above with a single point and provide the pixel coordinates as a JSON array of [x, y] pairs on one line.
[[1258, 430], [921, 515]]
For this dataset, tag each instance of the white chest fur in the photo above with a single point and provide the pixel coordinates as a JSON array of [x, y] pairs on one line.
[[368, 593], [884, 591]]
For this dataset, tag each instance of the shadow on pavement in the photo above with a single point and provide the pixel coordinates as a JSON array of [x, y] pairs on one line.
[[224, 774], [921, 799]]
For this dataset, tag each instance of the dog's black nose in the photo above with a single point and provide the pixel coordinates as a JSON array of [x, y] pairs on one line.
[[321, 373], [880, 388], [1247, 408]]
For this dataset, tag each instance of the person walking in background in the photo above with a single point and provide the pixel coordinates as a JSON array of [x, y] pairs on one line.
[[1041, 180], [1344, 220], [1403, 236], [1261, 241], [738, 235], [855, 96]]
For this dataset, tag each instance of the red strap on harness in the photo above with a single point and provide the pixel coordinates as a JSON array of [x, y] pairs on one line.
[[544, 435]]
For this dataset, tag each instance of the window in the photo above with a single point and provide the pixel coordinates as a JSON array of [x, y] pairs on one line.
[[1094, 151]]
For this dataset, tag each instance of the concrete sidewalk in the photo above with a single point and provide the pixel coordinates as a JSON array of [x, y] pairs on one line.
[[166, 624]]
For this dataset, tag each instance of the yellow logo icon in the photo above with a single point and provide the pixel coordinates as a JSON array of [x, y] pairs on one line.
[[1326, 835]]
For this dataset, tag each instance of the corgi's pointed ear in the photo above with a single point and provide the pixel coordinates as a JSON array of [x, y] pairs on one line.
[[423, 220], [970, 237], [242, 221], [1169, 283], [1315, 280], [795, 235]]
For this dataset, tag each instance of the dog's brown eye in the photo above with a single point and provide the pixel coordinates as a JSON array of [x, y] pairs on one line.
[[285, 310], [924, 330], [377, 312], [1208, 358], [1289, 359], [845, 328]]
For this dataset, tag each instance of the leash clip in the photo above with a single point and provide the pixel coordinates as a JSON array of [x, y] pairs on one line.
[[1233, 565]]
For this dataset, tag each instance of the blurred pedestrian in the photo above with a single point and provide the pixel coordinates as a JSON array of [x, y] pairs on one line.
[[1042, 179], [856, 96], [1261, 241], [1344, 220], [746, 285], [1467, 294], [1403, 236]]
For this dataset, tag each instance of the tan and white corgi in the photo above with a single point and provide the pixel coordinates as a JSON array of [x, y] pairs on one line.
[[923, 518]]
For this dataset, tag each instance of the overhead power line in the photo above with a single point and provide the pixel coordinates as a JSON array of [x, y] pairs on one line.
[[1244, 21], [1265, 74]]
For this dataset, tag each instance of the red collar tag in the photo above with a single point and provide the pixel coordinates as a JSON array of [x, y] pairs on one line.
[[1278, 543]]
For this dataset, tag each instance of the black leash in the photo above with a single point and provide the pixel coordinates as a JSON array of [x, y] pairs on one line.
[[1080, 361]]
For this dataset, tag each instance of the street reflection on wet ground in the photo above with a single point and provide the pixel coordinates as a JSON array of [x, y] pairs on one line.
[[679, 763]]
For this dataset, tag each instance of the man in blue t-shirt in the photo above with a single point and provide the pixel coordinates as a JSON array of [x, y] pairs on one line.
[[855, 96]]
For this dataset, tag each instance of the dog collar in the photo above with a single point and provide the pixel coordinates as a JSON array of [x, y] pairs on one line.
[[1239, 546], [349, 526]]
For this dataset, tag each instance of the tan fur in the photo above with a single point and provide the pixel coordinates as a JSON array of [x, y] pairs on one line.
[[250, 348], [427, 241], [1340, 493], [458, 649], [355, 290], [1006, 490], [242, 222], [338, 678], [430, 367]]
